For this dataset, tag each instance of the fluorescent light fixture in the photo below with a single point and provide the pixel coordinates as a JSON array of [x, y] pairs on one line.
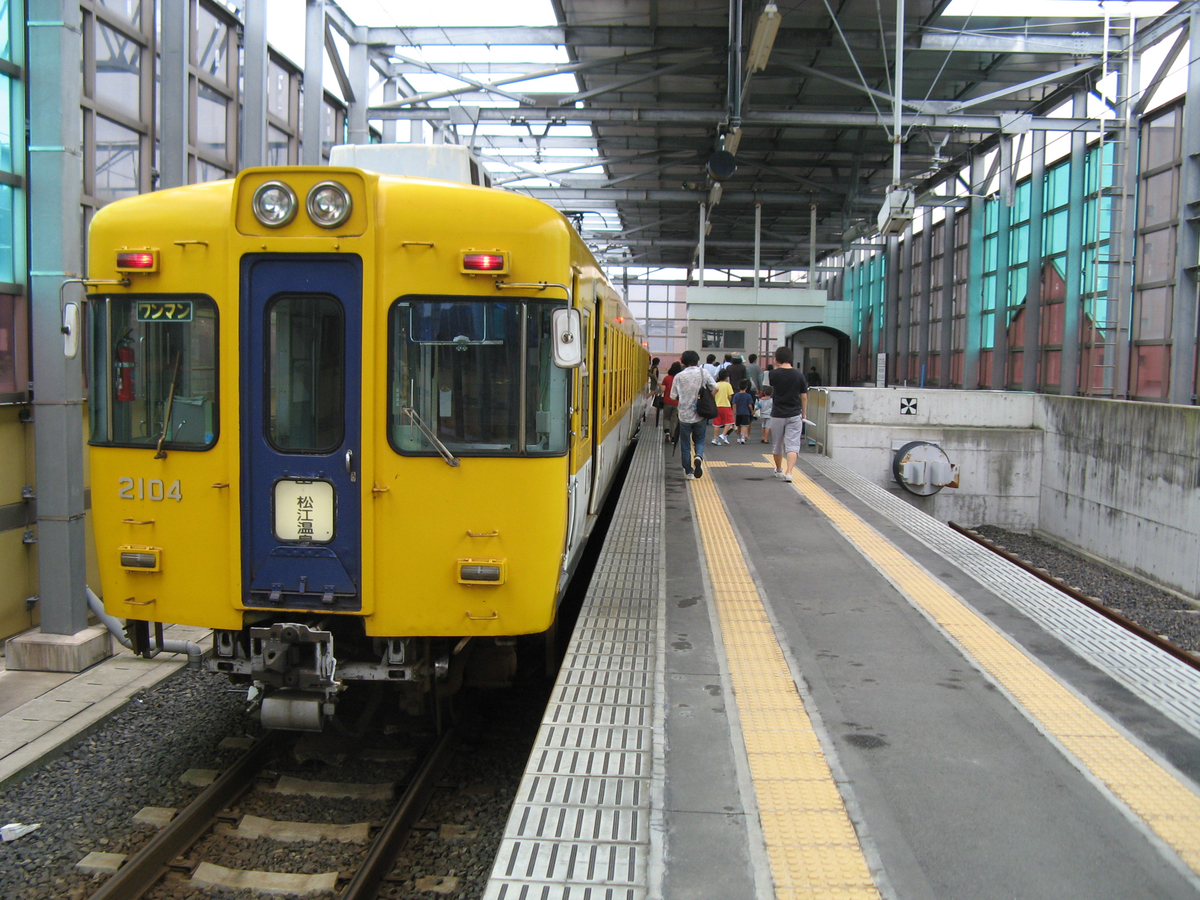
[[763, 40]]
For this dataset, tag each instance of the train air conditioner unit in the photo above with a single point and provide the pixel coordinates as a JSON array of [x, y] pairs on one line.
[[897, 212]]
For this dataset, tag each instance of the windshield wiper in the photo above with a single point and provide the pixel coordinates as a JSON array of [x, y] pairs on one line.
[[450, 458], [160, 452]]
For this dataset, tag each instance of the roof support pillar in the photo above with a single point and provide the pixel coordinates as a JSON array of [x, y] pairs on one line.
[[254, 133], [974, 304], [889, 340], [360, 70], [173, 155], [1000, 312], [925, 296], [757, 240], [312, 133], [903, 365], [389, 125], [1031, 357], [56, 180], [1183, 323], [1073, 276], [946, 338]]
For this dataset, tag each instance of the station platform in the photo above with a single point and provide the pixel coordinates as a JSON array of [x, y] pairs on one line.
[[808, 689], [811, 689], [43, 712]]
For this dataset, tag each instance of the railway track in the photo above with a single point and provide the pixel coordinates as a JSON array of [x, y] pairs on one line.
[[182, 848], [1125, 622]]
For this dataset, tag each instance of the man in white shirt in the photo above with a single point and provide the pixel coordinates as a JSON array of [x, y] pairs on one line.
[[692, 428]]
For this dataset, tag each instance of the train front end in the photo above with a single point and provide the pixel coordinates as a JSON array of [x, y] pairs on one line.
[[328, 422]]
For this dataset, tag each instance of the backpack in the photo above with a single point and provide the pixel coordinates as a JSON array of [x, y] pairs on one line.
[[706, 404]]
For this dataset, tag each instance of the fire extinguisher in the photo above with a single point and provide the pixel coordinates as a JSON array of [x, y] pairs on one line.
[[124, 367]]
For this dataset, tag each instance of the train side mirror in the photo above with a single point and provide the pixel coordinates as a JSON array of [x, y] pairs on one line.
[[566, 326]]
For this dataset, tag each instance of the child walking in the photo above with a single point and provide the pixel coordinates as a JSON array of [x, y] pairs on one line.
[[764, 412], [743, 410], [723, 423]]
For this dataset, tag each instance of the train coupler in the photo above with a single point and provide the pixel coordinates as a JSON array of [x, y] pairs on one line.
[[295, 669]]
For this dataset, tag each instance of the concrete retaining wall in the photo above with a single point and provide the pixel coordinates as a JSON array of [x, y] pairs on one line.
[[1117, 479], [989, 436], [1121, 480]]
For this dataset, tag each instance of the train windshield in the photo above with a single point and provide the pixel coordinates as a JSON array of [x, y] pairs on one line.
[[154, 364], [477, 374]]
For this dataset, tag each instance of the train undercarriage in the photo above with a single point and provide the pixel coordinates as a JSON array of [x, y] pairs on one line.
[[297, 673]]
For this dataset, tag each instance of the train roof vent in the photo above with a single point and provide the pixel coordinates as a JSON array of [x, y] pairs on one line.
[[446, 162]]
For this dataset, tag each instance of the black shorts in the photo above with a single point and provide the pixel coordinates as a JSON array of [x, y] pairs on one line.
[[743, 421]]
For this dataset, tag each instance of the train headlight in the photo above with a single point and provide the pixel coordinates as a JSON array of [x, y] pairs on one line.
[[328, 204], [274, 204]]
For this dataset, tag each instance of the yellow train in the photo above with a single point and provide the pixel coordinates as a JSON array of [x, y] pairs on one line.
[[359, 425]]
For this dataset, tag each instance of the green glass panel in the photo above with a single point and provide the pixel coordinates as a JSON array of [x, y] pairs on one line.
[[1020, 210], [989, 292], [1018, 245], [1054, 233], [6, 150], [6, 233], [990, 246], [5, 31], [1018, 286]]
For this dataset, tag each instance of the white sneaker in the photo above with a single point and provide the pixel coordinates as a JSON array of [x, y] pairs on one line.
[[688, 476], [724, 440], [716, 441]]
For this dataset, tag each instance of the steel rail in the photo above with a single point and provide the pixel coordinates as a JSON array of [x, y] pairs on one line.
[[1090, 602], [382, 855], [147, 866]]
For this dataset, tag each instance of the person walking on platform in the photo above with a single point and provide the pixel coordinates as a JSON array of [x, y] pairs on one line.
[[710, 366], [723, 424], [754, 373], [743, 410], [790, 404], [737, 372], [692, 428], [671, 405], [814, 377], [764, 412]]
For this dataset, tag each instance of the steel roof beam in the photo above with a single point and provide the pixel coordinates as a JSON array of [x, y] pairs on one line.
[[1060, 44], [669, 195], [696, 37], [636, 79], [750, 119]]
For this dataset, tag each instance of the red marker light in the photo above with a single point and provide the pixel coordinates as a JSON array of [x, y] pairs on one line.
[[620, 319], [484, 262], [137, 261]]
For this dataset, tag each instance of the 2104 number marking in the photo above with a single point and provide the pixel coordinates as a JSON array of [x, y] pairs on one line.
[[148, 489]]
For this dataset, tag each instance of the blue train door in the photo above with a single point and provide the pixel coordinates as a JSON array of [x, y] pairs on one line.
[[301, 374]]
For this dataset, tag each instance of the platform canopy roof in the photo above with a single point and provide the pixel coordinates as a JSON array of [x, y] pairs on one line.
[[613, 112]]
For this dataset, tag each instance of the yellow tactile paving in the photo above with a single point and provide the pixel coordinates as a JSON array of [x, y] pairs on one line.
[[810, 841], [1155, 795]]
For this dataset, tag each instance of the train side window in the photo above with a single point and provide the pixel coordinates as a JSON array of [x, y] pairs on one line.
[[546, 407], [476, 376], [154, 362]]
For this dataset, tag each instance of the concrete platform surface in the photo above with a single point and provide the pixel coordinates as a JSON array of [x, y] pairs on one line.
[[40, 712]]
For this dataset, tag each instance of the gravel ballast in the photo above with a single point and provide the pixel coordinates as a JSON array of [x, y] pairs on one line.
[[85, 798], [1164, 613]]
